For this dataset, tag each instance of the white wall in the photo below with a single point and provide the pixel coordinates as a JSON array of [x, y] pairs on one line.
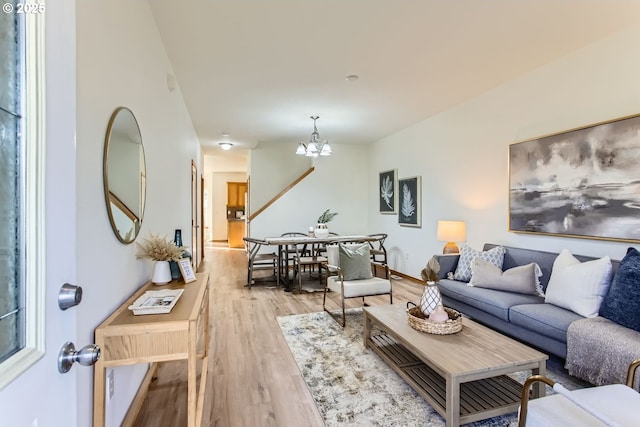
[[462, 152], [339, 183], [273, 166], [219, 200], [121, 61]]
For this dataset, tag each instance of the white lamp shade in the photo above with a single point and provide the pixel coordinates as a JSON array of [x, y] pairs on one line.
[[452, 231], [326, 149]]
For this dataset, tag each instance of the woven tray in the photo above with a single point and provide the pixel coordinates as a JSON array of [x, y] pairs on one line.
[[419, 322]]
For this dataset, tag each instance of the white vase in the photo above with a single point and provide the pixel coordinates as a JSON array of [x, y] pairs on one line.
[[430, 298], [161, 273], [321, 231]]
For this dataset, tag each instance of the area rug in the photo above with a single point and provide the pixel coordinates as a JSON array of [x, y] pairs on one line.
[[352, 386]]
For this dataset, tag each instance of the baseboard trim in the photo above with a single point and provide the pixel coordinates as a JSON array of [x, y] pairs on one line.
[[407, 277]]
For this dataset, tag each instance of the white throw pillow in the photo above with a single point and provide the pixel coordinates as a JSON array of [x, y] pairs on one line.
[[579, 286], [468, 256]]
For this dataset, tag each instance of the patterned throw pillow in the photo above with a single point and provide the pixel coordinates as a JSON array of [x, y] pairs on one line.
[[468, 256]]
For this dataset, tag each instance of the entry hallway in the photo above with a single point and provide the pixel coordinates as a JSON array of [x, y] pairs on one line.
[[253, 379]]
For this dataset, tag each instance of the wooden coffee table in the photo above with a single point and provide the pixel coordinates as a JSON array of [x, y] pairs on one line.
[[462, 376]]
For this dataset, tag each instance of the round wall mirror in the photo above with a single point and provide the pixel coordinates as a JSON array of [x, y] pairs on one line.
[[124, 175]]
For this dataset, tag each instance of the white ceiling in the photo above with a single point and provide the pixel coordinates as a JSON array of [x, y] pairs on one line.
[[258, 69]]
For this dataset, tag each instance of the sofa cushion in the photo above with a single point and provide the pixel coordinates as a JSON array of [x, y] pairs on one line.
[[522, 279], [545, 319], [467, 257], [496, 303], [622, 303], [579, 286]]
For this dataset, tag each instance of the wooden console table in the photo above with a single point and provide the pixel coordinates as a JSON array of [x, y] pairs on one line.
[[126, 339]]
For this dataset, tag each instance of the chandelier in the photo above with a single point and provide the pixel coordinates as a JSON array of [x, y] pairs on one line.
[[314, 147]]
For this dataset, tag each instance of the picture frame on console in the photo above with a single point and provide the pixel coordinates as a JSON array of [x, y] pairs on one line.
[[578, 183], [188, 275], [410, 201], [388, 191]]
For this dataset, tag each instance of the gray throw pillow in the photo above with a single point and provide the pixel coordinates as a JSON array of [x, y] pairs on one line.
[[355, 261], [521, 279]]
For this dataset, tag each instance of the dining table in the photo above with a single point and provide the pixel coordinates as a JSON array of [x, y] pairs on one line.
[[284, 243]]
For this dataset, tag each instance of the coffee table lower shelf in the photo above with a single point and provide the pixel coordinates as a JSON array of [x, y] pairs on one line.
[[479, 399]]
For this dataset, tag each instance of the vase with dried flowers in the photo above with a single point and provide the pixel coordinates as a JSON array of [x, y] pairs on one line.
[[322, 230], [161, 250], [431, 296]]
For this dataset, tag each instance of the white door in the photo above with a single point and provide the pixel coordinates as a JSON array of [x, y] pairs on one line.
[[41, 396]]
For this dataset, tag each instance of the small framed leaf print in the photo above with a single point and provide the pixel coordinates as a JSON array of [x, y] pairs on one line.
[[186, 270], [388, 190], [410, 201]]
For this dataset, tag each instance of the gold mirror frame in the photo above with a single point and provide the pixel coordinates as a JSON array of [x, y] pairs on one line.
[[124, 162]]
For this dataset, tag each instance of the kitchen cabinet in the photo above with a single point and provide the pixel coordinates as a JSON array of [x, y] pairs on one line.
[[235, 233], [235, 193]]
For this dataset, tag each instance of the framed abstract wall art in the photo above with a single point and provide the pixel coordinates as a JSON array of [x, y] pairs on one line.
[[410, 201], [388, 191], [582, 183]]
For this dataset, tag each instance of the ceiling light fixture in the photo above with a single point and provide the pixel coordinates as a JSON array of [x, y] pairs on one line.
[[314, 148], [226, 146]]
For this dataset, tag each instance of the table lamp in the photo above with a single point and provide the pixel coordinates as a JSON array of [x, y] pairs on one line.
[[451, 232]]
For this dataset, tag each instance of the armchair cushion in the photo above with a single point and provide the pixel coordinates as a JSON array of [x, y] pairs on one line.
[[355, 261], [614, 404], [360, 288]]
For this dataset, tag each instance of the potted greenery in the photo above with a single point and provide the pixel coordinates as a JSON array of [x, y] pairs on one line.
[[161, 250], [322, 231]]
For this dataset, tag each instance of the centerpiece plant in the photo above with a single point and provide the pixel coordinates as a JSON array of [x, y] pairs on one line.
[[326, 216], [321, 230]]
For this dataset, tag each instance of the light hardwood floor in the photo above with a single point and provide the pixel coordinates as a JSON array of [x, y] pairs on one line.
[[253, 379]]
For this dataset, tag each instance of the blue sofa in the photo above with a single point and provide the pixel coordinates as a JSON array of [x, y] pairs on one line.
[[525, 317]]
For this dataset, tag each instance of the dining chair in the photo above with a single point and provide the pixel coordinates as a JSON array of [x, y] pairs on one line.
[[288, 252], [352, 265], [378, 251], [308, 257], [259, 261]]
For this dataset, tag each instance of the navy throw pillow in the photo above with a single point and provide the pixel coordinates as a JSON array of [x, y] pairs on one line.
[[622, 302]]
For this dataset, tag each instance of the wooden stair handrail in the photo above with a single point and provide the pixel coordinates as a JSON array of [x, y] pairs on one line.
[[280, 194]]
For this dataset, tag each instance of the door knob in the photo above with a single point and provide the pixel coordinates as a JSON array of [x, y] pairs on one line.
[[86, 356]]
